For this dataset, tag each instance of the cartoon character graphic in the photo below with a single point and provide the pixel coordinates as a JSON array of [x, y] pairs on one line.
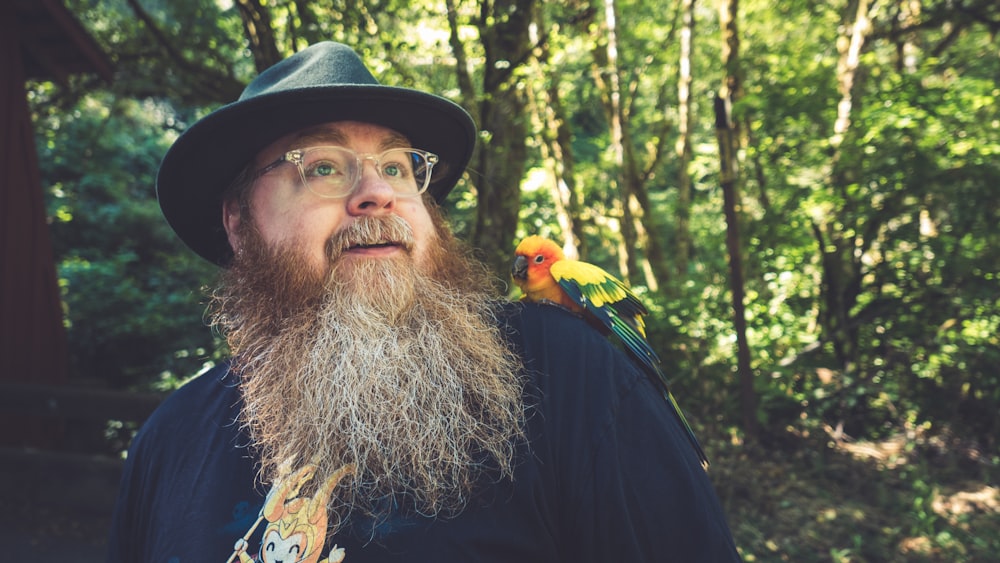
[[297, 526]]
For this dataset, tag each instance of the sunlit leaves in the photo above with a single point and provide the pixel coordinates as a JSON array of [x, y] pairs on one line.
[[130, 290]]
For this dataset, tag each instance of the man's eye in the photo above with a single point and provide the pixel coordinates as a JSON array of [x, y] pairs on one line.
[[393, 170], [323, 169]]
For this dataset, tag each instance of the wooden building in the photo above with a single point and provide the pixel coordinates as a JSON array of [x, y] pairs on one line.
[[39, 40]]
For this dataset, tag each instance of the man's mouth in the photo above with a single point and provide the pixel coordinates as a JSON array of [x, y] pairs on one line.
[[376, 245], [373, 236]]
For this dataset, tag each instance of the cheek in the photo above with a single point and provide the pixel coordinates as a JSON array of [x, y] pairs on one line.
[[294, 220], [424, 233], [273, 216], [306, 236]]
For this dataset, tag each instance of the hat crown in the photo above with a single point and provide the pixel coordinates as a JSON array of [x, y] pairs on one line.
[[319, 65]]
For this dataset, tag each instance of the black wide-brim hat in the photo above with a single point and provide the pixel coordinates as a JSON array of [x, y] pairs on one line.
[[323, 83]]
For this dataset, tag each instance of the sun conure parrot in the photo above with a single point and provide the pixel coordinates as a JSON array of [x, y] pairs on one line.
[[544, 275]]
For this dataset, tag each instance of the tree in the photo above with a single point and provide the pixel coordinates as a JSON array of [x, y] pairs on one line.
[[682, 148], [633, 169], [841, 265], [727, 133], [131, 291], [499, 107], [555, 146]]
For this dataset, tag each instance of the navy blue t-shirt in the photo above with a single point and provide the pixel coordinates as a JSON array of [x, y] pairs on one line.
[[608, 475]]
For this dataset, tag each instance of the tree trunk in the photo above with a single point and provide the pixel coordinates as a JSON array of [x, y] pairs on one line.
[[499, 162], [608, 80], [556, 149], [727, 134], [637, 232], [847, 66], [682, 253], [841, 283], [257, 27]]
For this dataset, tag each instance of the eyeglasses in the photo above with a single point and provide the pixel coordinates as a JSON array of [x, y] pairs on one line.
[[336, 171]]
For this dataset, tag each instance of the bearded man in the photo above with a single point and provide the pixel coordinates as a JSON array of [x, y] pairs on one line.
[[382, 404]]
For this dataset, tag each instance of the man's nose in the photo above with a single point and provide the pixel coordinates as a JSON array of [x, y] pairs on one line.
[[372, 194]]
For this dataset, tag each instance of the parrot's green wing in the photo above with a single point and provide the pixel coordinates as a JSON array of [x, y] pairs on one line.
[[609, 301], [613, 305]]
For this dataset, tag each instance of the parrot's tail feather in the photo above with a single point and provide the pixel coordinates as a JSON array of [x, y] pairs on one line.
[[687, 427]]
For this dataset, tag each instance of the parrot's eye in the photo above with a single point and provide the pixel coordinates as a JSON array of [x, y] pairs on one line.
[[539, 259]]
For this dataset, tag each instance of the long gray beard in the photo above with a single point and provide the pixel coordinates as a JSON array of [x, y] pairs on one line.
[[399, 372]]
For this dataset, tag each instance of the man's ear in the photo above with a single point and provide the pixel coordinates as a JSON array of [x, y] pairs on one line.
[[231, 217]]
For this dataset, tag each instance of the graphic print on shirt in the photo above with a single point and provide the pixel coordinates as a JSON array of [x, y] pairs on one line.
[[296, 526]]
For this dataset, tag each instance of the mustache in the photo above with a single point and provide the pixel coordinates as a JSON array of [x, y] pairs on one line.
[[369, 231]]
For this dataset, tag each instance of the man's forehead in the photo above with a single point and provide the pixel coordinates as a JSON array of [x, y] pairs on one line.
[[341, 132]]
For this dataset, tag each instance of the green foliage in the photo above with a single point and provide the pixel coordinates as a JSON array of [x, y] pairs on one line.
[[131, 291], [904, 209], [910, 192]]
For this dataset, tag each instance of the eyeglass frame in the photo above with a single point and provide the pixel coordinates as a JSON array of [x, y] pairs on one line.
[[295, 156]]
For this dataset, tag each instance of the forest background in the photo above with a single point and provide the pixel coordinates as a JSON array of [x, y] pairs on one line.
[[805, 195]]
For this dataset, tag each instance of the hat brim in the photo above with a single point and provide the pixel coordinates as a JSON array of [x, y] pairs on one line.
[[206, 158]]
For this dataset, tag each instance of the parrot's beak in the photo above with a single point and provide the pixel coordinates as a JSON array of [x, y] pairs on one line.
[[519, 270]]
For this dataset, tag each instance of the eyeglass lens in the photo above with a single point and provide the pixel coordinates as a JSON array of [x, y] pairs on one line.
[[335, 171]]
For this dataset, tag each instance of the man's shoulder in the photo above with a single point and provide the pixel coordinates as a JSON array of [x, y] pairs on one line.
[[206, 386], [207, 398], [566, 359], [553, 331], [545, 320]]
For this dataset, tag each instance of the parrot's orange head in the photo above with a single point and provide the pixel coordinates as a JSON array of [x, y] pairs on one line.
[[532, 260]]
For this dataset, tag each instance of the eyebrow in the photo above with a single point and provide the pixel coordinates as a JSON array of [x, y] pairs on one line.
[[320, 136]]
